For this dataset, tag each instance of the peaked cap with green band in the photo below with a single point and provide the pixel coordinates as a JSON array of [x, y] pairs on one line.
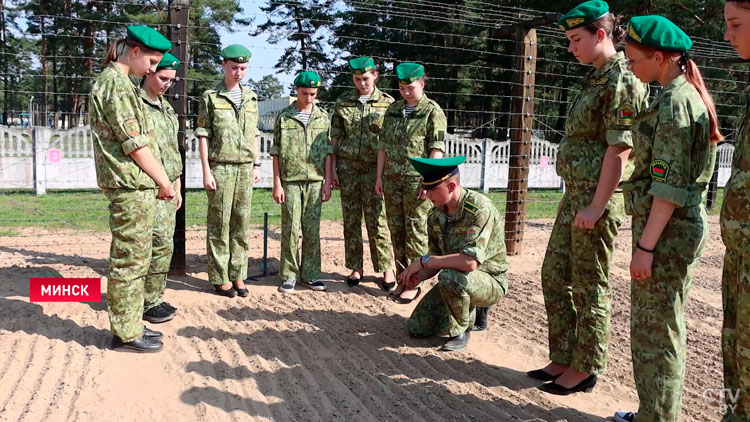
[[361, 65], [168, 61], [308, 79], [236, 53], [434, 171], [658, 32], [584, 14], [409, 72], [149, 37]]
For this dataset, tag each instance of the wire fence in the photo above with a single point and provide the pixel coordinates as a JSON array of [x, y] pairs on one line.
[[483, 99]]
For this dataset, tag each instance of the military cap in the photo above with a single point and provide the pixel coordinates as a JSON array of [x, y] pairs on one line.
[[584, 14], [149, 37], [168, 61], [436, 170], [236, 53], [308, 79], [361, 65], [409, 72], [658, 32]]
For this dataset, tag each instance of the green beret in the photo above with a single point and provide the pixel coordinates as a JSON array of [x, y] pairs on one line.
[[584, 14], [308, 79], [361, 65], [168, 62], [434, 171], [409, 72], [149, 37], [236, 53], [658, 32]]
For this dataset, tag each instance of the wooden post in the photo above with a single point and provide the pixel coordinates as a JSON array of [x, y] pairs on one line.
[[522, 119], [178, 34]]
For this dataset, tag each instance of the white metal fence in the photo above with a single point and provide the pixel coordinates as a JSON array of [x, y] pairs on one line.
[[41, 158]]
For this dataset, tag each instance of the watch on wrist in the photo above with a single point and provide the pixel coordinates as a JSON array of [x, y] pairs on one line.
[[424, 260]]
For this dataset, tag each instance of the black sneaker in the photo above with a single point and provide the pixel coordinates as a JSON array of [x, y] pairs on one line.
[[287, 286], [316, 285], [157, 315], [169, 307]]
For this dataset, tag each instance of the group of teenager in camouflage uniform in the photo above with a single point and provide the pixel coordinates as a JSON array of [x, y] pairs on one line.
[[621, 154]]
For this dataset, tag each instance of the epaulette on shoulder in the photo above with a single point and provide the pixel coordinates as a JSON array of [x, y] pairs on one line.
[[471, 207]]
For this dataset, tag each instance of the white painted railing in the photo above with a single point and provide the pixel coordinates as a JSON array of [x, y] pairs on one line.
[[65, 160]]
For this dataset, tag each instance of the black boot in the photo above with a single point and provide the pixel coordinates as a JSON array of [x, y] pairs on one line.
[[480, 323], [458, 342]]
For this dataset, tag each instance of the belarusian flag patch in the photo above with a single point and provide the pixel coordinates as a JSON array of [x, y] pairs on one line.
[[659, 171], [625, 115]]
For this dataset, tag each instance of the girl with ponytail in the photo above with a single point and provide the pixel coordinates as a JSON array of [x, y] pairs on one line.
[[674, 141], [735, 232]]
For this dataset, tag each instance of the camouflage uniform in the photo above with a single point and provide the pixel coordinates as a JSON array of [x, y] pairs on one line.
[[475, 230], [302, 152], [674, 161], [165, 123], [575, 273], [119, 126], [402, 137], [231, 133], [356, 127], [735, 231]]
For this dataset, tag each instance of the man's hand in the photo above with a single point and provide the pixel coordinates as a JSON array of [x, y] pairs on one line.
[[166, 192], [335, 180], [278, 193], [208, 181], [256, 175], [410, 276], [326, 191]]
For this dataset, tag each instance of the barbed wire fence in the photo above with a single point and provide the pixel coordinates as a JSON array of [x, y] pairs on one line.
[[509, 132]]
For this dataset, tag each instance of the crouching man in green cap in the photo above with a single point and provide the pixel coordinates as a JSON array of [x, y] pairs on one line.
[[466, 252]]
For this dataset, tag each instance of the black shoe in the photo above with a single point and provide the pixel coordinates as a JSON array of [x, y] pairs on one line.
[[586, 386], [352, 282], [141, 345], [241, 292], [230, 292], [155, 335], [458, 342], [388, 286], [480, 323], [169, 307], [540, 375], [157, 315]]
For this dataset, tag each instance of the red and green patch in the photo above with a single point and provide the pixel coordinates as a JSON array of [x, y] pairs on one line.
[[659, 171], [625, 115]]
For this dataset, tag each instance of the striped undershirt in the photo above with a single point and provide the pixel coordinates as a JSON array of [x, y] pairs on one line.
[[236, 96], [408, 109], [303, 116]]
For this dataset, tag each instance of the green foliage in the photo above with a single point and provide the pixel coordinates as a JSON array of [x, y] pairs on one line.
[[269, 87]]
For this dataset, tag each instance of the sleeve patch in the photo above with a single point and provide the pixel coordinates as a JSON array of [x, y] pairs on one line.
[[659, 171], [201, 121], [625, 115], [132, 128]]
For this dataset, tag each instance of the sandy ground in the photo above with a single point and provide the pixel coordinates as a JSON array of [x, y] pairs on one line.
[[343, 355]]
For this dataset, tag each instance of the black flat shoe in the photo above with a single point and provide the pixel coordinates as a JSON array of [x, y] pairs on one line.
[[139, 345], [480, 322], [241, 292], [230, 292], [539, 374], [352, 282], [586, 386], [403, 301], [152, 334], [458, 342], [387, 287]]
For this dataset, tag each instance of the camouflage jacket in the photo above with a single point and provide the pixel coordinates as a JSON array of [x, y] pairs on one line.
[[735, 210], [413, 136], [165, 123], [231, 130], [674, 157], [476, 230], [302, 150], [119, 126], [600, 115], [356, 126]]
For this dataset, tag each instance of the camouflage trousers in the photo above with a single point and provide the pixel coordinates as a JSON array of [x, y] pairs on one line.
[[575, 282], [735, 333], [131, 218], [161, 253], [300, 210], [450, 306], [357, 198], [407, 218], [228, 222], [657, 313]]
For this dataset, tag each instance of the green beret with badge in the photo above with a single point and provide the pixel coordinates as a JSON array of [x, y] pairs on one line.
[[236, 53], [584, 14], [435, 171], [169, 61], [658, 32], [148, 37], [361, 65], [308, 79], [409, 72]]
